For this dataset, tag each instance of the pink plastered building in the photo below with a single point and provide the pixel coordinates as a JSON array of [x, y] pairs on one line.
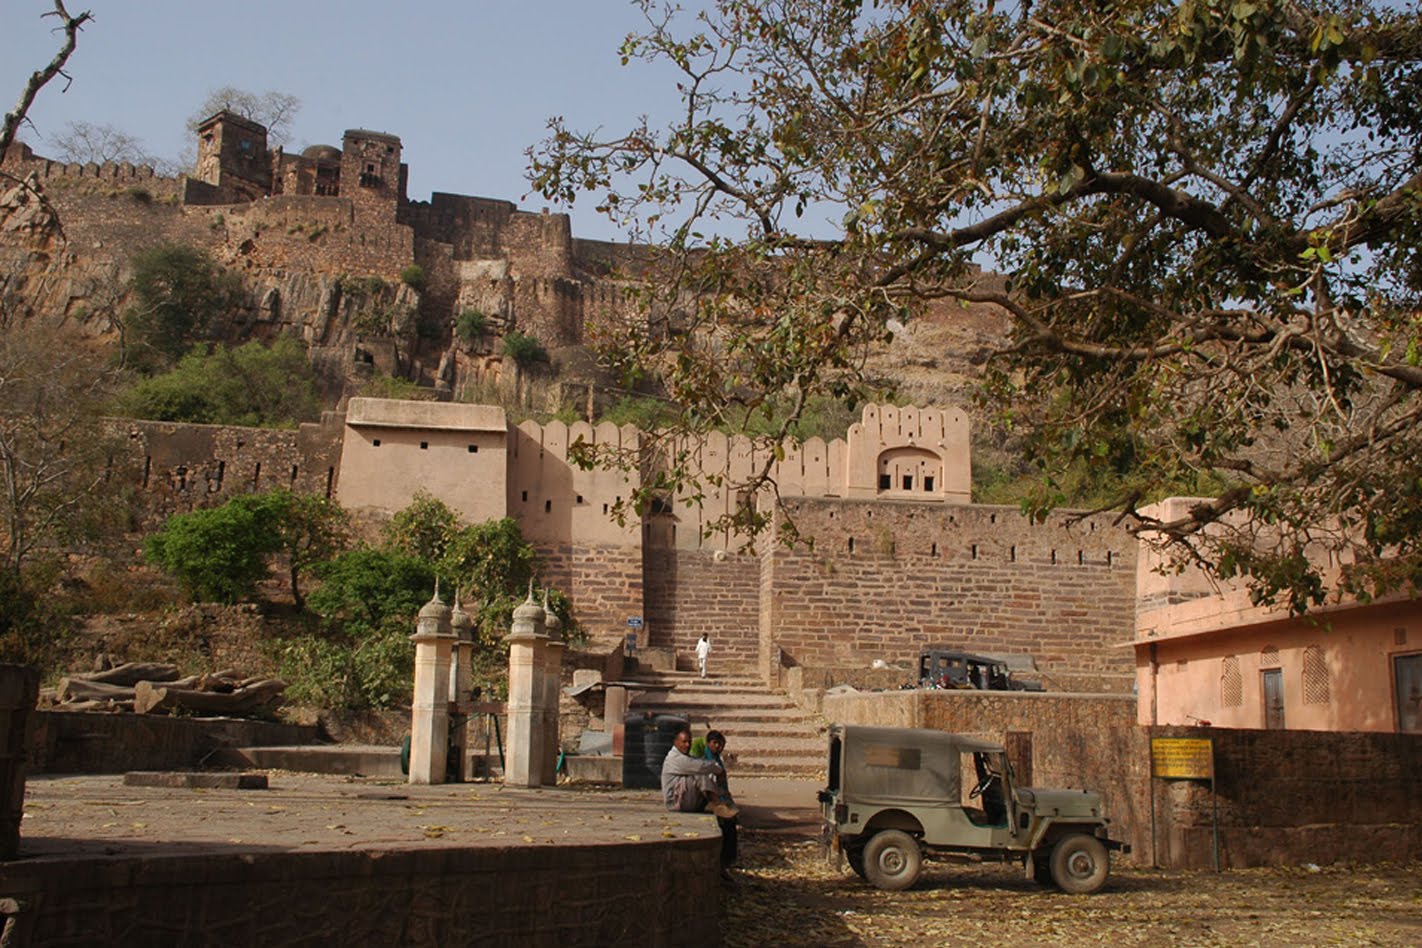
[[1206, 655]]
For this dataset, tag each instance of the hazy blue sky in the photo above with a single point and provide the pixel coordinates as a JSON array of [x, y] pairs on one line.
[[466, 85]]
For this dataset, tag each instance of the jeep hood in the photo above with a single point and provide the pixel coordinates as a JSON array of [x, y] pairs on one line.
[[1060, 802]]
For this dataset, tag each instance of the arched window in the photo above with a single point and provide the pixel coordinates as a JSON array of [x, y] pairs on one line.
[[1315, 676], [1231, 684]]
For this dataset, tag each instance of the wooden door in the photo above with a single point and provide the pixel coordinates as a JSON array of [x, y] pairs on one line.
[[1274, 698]]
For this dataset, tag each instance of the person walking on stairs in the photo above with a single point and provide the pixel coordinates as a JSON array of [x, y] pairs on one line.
[[703, 649]]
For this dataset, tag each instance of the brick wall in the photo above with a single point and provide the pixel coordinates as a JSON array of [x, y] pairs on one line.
[[694, 591], [882, 580], [604, 582]]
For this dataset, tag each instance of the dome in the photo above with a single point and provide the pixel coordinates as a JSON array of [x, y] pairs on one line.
[[322, 153]]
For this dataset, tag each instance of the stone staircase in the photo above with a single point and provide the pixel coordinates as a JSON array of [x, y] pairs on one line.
[[766, 734]]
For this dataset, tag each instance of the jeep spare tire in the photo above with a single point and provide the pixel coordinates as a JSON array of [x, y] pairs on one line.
[[1079, 864], [892, 860]]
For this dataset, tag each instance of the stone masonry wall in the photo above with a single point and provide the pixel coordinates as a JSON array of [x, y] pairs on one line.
[[179, 468], [575, 894], [1294, 797], [604, 582], [694, 591], [883, 580]]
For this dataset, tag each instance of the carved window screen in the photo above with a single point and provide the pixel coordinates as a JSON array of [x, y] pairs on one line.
[[1269, 657], [1315, 676], [1231, 684]]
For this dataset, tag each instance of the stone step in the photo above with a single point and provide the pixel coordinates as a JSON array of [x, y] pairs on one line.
[[672, 699], [778, 767], [788, 718]]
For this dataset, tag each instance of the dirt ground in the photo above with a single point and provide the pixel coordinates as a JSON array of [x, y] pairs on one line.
[[788, 895]]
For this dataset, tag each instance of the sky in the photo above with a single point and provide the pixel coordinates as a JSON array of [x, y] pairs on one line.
[[467, 85]]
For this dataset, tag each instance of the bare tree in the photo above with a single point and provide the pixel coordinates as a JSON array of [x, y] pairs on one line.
[[70, 27], [275, 110], [93, 143], [55, 460]]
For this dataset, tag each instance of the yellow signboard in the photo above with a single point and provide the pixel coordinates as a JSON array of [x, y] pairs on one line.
[[1182, 757]]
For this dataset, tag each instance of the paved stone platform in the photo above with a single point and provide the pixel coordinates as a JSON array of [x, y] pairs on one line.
[[319, 859]]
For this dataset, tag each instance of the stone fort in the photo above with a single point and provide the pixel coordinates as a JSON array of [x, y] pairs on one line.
[[895, 557]]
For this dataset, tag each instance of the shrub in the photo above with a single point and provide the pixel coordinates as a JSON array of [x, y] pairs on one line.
[[218, 554], [471, 326], [180, 292], [525, 350], [252, 385], [413, 276]]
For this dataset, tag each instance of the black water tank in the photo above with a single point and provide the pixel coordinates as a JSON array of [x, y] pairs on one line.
[[645, 743]]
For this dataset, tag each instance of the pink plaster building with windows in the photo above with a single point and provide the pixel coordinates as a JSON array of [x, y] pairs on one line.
[[1205, 654]]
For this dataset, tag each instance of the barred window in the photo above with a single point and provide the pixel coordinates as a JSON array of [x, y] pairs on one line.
[[1269, 657], [1231, 684], [1315, 676]]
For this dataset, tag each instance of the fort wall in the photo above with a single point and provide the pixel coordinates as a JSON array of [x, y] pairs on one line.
[[882, 580], [179, 468], [691, 592]]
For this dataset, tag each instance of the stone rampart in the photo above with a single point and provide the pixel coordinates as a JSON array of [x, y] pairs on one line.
[[882, 580], [179, 468], [604, 582]]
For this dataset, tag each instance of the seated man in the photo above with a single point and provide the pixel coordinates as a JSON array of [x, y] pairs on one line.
[[694, 785]]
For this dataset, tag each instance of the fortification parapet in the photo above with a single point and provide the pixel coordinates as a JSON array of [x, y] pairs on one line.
[[558, 502]]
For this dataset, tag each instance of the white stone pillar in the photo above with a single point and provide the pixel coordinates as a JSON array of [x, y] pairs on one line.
[[525, 750], [552, 690], [429, 710], [461, 679]]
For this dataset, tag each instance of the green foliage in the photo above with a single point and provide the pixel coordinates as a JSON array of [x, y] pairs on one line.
[[471, 326], [423, 529], [218, 554], [525, 350], [251, 385], [414, 277], [364, 587], [1204, 217], [366, 287], [368, 599], [309, 530], [221, 553], [179, 293]]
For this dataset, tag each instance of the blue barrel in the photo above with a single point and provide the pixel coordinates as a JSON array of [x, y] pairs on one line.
[[646, 741]]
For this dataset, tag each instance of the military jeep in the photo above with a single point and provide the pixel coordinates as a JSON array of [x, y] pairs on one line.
[[895, 796]]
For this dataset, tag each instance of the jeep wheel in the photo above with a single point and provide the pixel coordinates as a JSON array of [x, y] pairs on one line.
[[855, 855], [892, 860], [1079, 864]]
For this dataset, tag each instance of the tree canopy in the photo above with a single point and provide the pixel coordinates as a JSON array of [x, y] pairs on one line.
[[1204, 218], [252, 385]]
